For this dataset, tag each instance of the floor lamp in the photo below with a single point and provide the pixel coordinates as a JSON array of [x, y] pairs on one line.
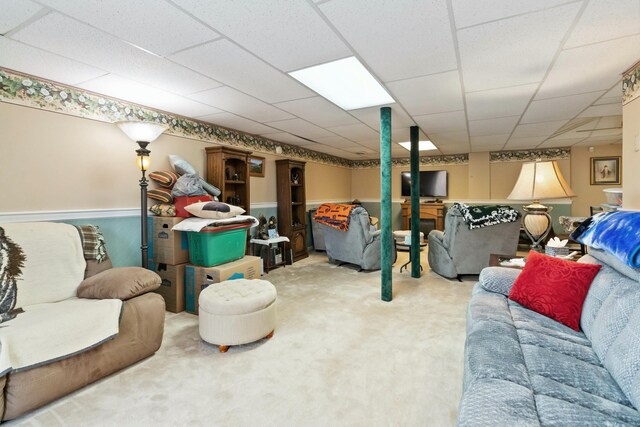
[[143, 133], [539, 181]]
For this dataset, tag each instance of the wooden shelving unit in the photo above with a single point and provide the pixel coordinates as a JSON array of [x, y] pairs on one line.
[[292, 205], [225, 163]]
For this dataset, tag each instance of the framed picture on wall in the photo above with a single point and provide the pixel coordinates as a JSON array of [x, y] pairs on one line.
[[256, 166], [605, 170]]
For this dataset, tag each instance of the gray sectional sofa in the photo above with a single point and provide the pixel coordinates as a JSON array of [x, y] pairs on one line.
[[524, 369]]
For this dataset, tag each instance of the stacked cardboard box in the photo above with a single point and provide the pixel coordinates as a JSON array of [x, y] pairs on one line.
[[198, 278], [168, 256]]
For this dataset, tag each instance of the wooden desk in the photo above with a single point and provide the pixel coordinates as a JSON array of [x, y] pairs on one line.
[[433, 211]]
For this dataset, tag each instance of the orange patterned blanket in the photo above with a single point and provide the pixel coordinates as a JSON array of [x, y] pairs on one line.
[[334, 215]]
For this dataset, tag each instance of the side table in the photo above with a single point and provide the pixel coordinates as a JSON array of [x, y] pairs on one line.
[[266, 245], [408, 248]]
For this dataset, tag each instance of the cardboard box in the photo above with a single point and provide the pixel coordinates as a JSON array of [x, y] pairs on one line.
[[172, 285], [166, 246], [198, 278], [182, 201]]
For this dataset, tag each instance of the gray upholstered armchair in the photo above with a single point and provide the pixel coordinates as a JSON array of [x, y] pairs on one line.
[[359, 245], [458, 250]]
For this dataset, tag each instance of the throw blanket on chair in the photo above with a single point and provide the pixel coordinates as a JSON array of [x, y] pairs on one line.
[[92, 242], [486, 215], [334, 215], [616, 232]]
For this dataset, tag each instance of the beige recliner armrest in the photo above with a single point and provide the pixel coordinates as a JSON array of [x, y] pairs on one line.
[[119, 283]]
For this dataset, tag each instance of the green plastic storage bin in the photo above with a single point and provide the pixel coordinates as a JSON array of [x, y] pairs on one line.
[[217, 245]]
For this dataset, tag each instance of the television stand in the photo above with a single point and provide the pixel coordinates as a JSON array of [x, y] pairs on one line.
[[428, 210]]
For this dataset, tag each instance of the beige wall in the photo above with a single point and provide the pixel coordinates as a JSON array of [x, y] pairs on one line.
[[630, 156], [479, 176], [505, 174], [51, 161], [365, 183], [588, 195]]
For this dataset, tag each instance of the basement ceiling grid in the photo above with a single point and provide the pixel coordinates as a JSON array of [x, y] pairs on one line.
[[482, 75]]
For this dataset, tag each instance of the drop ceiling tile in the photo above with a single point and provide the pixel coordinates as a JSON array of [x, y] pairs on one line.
[[449, 138], [477, 11], [397, 41], [301, 128], [358, 150], [67, 37], [228, 99], [334, 141], [502, 125], [615, 91], [527, 143], [371, 117], [607, 101], [485, 148], [455, 149], [565, 107], [538, 129], [610, 121], [227, 63], [602, 110], [15, 12], [494, 103], [289, 139], [318, 111], [477, 141], [454, 121], [329, 150], [513, 51], [232, 121], [557, 143], [606, 132], [128, 90], [605, 20], [399, 134], [289, 35], [590, 68], [27, 59], [357, 132], [154, 25], [437, 93]]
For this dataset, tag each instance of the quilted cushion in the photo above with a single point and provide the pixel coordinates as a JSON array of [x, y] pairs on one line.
[[554, 287], [240, 296]]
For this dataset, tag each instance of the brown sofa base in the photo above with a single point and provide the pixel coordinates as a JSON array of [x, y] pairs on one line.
[[141, 330]]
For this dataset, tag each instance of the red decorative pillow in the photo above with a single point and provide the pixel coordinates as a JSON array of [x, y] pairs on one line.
[[554, 287]]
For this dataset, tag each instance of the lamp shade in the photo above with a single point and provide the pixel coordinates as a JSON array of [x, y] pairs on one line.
[[141, 131], [540, 180]]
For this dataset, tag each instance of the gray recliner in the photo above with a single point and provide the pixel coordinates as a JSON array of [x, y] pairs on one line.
[[359, 245], [458, 251]]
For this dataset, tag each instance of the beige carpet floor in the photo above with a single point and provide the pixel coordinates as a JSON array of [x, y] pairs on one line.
[[340, 356]]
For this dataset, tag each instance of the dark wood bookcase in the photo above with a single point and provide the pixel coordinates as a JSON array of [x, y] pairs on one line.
[[228, 169], [292, 205]]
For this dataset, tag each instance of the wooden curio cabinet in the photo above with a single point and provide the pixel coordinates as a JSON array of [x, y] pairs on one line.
[[228, 169], [292, 205]]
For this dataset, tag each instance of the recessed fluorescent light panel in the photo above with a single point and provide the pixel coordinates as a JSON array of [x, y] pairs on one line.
[[422, 145], [344, 82]]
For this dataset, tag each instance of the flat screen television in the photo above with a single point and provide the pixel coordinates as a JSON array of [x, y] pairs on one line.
[[432, 184]]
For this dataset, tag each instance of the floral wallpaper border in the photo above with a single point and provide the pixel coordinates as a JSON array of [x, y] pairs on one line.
[[631, 84], [30, 91], [530, 155], [26, 90], [453, 159]]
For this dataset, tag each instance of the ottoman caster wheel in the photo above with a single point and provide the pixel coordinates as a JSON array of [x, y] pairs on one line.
[[223, 348], [270, 334]]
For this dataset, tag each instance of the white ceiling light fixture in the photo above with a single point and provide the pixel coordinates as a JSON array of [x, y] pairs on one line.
[[345, 82], [422, 145]]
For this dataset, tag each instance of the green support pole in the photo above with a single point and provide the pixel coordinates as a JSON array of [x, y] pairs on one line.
[[385, 203], [415, 203]]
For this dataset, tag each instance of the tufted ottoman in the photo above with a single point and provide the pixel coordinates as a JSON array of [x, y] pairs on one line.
[[237, 312]]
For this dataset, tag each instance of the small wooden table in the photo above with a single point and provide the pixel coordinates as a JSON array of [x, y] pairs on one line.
[[266, 244], [496, 259]]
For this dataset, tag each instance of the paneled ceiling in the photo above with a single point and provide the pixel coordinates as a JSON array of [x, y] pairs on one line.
[[475, 75]]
